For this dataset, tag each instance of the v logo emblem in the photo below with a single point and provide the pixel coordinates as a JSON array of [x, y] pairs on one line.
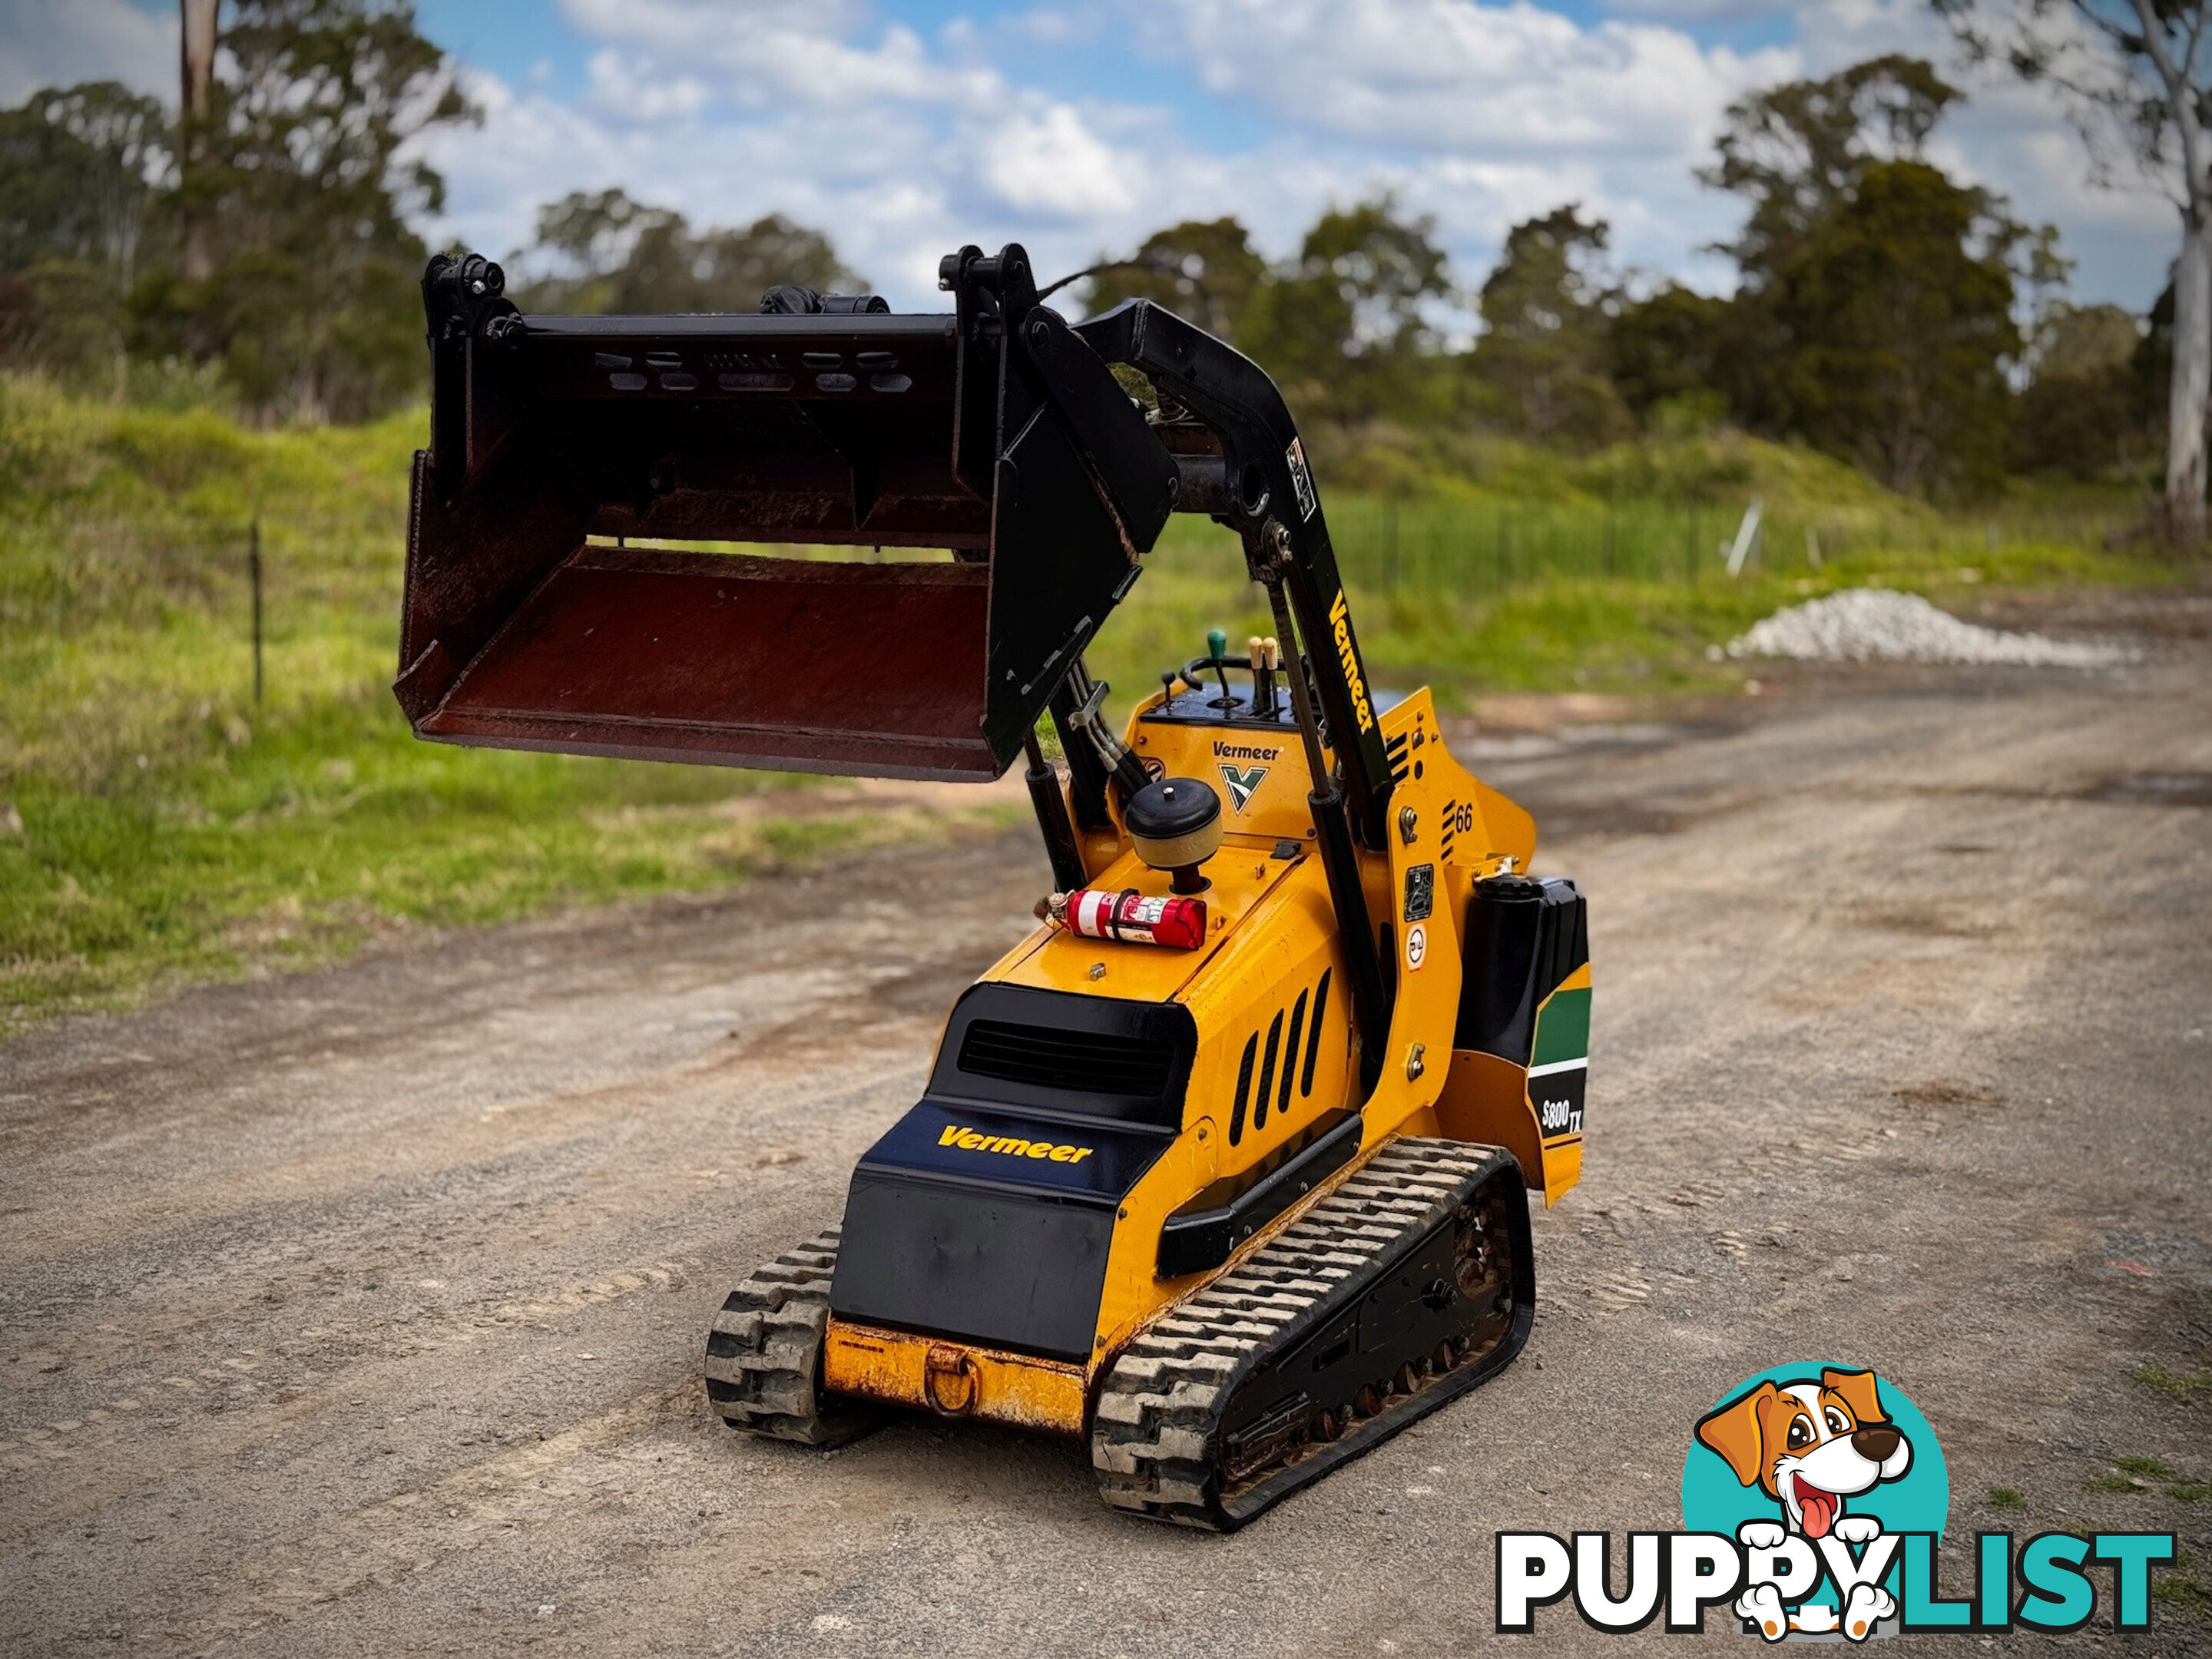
[[1242, 784]]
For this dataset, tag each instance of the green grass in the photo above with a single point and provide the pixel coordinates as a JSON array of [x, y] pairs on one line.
[[1560, 630], [2139, 1474], [174, 829], [2178, 1590], [2006, 1497], [333, 824], [2175, 1385]]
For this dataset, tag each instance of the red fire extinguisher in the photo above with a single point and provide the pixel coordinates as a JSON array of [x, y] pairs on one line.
[[1130, 918]]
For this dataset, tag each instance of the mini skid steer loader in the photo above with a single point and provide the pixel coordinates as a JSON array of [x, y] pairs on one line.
[[1224, 1168]]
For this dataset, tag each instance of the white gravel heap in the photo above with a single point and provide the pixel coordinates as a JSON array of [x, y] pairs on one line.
[[1873, 624]]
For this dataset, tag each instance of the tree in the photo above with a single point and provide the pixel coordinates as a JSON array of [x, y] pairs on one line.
[[302, 158], [1204, 270], [2138, 74], [1547, 309], [1797, 154], [1672, 343], [78, 172], [1899, 315], [1874, 314], [79, 168], [583, 242], [1343, 329], [196, 42], [604, 252], [1798, 150], [2086, 408], [2072, 340]]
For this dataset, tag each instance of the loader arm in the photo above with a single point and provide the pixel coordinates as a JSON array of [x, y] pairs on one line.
[[545, 609], [1262, 486]]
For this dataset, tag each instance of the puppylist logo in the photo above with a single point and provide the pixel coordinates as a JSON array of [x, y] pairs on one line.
[[1813, 1499]]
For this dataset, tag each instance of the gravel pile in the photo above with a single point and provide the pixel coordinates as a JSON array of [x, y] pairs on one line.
[[1873, 624]]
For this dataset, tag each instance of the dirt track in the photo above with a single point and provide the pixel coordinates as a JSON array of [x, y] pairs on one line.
[[361, 1312]]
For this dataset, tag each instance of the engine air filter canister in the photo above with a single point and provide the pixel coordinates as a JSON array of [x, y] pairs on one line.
[[1130, 918], [1174, 825]]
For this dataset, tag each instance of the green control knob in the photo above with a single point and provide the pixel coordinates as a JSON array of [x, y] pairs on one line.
[[1217, 643]]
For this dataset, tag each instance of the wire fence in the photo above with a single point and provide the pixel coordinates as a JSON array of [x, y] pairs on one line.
[[59, 577], [1391, 546], [258, 575]]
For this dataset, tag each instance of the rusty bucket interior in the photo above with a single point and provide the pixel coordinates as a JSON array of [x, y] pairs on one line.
[[559, 596]]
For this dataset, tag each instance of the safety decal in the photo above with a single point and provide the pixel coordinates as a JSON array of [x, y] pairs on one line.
[[1420, 892], [1301, 480], [1416, 948]]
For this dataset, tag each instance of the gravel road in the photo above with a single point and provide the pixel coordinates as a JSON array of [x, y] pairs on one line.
[[360, 1312]]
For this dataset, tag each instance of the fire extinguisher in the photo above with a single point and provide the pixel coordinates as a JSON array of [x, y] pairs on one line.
[[1130, 918]]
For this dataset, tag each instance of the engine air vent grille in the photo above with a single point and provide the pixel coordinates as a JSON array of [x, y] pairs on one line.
[[1082, 1062]]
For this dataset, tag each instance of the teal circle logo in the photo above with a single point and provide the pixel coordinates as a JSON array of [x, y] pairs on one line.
[[1815, 1451]]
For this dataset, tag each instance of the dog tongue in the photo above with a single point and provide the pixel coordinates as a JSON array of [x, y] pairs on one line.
[[1819, 1508]]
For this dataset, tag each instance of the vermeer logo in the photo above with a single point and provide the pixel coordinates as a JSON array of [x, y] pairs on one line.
[[1244, 752], [1813, 1497], [1340, 618], [1242, 785], [975, 1140]]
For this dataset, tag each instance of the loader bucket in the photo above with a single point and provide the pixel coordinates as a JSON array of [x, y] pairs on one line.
[[551, 604]]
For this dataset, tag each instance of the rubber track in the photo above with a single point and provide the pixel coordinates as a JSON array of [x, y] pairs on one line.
[[1154, 1436], [765, 1353]]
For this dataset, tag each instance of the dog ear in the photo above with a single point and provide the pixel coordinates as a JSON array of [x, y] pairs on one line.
[[1859, 1392], [1732, 1432]]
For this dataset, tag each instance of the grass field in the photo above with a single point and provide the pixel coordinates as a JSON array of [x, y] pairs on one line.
[[172, 826]]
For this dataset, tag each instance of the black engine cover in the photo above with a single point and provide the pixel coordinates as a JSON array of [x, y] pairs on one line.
[[986, 1213]]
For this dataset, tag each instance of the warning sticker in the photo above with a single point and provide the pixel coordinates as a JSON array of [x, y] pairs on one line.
[[1416, 949], [1420, 892], [1301, 480]]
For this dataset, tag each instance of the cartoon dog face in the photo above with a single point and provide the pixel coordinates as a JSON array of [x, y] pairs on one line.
[[1810, 1445]]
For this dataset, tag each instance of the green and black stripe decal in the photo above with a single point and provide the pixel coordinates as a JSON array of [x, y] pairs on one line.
[[1558, 1061]]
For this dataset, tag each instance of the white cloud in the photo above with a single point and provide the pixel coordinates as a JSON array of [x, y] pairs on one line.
[[903, 149], [1048, 162], [904, 146], [625, 91], [1452, 76], [1700, 11], [58, 43], [900, 151], [767, 54]]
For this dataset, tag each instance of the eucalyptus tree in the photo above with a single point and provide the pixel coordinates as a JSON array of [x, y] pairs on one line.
[[2137, 74]]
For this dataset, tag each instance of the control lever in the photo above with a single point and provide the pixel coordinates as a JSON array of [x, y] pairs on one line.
[[1090, 701]]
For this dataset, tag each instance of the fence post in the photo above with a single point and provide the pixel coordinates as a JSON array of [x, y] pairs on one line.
[[253, 570]]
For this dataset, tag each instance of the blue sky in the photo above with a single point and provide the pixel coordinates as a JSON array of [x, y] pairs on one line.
[[905, 128]]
